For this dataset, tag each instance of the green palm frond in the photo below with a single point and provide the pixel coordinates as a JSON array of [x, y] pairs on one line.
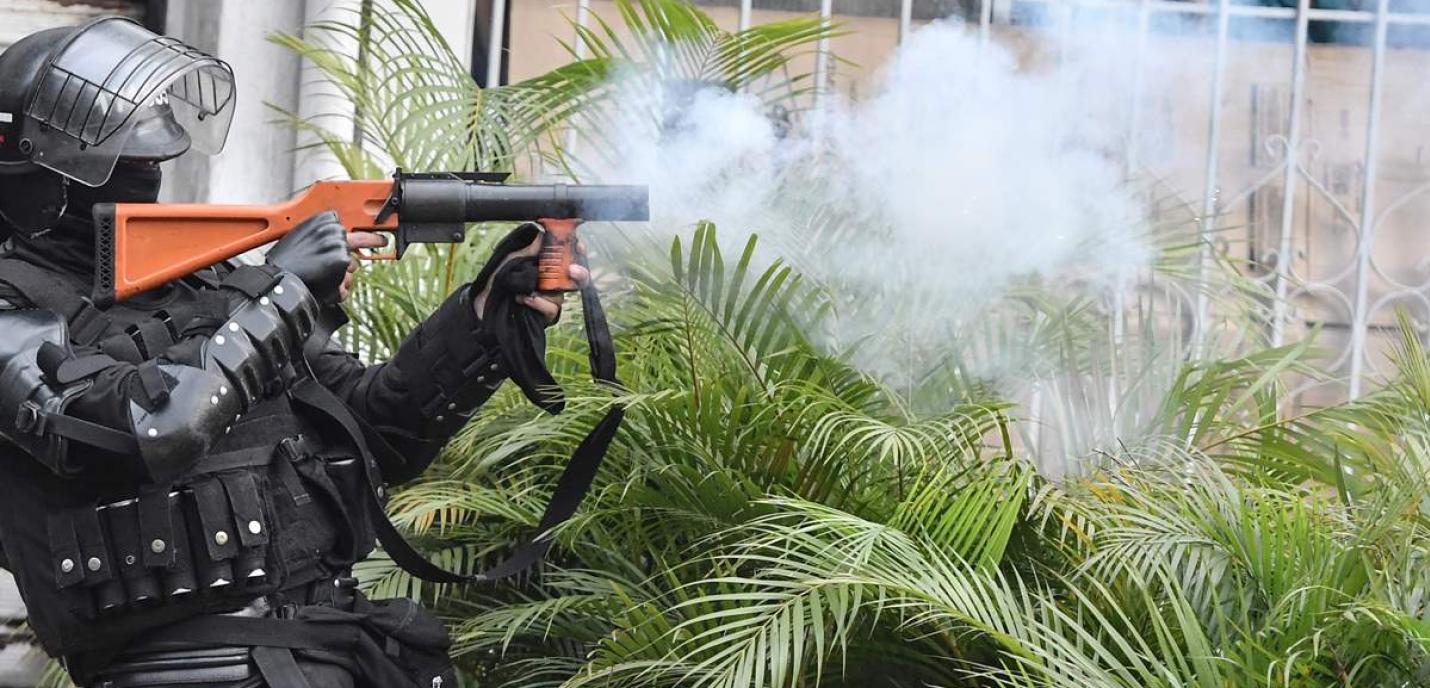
[[821, 582]]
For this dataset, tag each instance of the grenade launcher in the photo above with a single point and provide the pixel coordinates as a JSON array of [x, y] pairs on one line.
[[140, 246]]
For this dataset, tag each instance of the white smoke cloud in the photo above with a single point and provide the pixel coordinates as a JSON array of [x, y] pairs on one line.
[[960, 176]]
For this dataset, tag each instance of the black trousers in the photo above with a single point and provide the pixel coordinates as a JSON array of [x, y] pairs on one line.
[[347, 642]]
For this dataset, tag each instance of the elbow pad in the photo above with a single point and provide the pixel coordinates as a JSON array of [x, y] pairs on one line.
[[256, 348], [250, 357]]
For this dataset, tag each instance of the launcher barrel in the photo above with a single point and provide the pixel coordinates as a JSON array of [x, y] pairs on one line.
[[455, 200]]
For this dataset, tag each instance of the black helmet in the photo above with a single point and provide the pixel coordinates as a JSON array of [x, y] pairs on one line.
[[73, 101]]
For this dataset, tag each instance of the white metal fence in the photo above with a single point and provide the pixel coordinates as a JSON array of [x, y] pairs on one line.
[[1311, 210], [1352, 287]]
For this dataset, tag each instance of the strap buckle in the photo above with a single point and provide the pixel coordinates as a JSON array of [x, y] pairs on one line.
[[291, 448], [30, 419]]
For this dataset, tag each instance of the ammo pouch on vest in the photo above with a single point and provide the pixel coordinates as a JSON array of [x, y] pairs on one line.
[[207, 538], [338, 480], [251, 522]]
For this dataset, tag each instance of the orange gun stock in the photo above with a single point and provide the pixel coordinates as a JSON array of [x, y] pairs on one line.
[[141, 246]]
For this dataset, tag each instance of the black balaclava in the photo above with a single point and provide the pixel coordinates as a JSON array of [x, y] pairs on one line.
[[69, 244]]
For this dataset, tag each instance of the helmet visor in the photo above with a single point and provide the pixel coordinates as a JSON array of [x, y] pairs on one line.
[[108, 80]]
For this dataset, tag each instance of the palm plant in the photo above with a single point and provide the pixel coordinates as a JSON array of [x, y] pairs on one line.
[[1142, 511]]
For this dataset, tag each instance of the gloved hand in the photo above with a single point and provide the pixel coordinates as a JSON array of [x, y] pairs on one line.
[[511, 273], [317, 251], [515, 315]]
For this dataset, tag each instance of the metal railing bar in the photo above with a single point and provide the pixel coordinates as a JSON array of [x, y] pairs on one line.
[[583, 17], [821, 56], [985, 20], [1288, 188], [1139, 76], [496, 38], [1407, 19], [1209, 188], [1256, 11], [906, 19]]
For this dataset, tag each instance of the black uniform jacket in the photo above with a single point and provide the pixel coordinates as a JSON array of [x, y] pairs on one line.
[[287, 481]]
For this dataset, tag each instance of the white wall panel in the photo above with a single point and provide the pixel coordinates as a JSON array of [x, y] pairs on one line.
[[456, 19], [257, 164]]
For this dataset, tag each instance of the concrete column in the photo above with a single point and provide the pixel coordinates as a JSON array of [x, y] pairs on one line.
[[320, 101], [457, 20], [257, 164], [261, 163], [20, 18]]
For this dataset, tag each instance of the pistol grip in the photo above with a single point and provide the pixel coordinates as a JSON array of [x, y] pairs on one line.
[[558, 252]]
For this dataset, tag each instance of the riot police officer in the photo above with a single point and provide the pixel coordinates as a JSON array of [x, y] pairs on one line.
[[185, 478]]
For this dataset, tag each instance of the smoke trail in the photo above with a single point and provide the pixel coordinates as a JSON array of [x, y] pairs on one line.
[[960, 177]]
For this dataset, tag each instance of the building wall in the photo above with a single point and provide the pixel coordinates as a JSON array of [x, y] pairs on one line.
[[20, 18], [539, 25]]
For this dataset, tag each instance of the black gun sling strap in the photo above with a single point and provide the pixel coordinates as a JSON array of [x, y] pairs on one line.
[[571, 487]]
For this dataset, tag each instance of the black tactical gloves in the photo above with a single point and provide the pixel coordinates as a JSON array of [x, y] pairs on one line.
[[519, 330], [507, 275], [317, 252]]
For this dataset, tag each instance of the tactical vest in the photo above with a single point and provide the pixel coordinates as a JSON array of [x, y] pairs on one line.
[[278, 504]]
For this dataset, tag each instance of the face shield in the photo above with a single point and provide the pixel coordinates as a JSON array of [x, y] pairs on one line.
[[115, 89]]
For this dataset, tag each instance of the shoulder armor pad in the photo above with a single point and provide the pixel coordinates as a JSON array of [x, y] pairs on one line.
[[27, 329], [25, 398]]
